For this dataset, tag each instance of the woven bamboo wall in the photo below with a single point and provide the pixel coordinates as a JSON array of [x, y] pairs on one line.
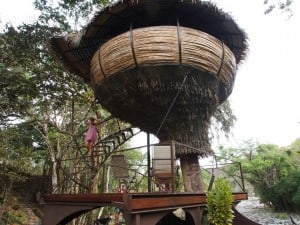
[[163, 45]]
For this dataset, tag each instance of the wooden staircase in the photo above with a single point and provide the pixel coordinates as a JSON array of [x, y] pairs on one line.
[[29, 209], [108, 145], [114, 141]]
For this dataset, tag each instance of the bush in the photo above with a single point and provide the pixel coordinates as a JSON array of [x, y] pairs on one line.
[[286, 193], [219, 203], [14, 217]]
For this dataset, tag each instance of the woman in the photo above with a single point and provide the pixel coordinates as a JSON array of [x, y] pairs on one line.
[[91, 135]]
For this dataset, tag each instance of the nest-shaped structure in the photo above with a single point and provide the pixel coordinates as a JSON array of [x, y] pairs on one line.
[[162, 65], [165, 45]]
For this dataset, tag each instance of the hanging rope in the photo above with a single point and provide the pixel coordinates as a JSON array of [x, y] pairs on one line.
[[173, 102]]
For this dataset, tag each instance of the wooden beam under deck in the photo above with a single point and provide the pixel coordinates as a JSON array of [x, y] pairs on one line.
[[135, 201]]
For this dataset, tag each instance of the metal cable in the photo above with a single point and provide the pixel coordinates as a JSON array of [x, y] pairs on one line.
[[173, 102]]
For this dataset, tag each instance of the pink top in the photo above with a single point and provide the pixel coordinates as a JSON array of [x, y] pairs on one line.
[[91, 134]]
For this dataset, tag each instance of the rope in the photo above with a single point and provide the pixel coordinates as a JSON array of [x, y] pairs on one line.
[[100, 64], [132, 46], [179, 41], [172, 104], [222, 60]]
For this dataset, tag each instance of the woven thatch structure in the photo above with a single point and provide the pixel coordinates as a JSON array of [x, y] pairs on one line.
[[137, 55]]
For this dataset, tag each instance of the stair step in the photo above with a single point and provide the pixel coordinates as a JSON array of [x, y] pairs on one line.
[[33, 218]]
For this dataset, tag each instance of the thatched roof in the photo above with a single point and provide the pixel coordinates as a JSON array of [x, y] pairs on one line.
[[128, 14]]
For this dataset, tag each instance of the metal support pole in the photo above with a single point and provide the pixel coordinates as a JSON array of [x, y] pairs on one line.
[[149, 162], [242, 176], [172, 165]]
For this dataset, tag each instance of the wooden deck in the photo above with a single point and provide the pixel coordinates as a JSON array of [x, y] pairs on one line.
[[137, 208]]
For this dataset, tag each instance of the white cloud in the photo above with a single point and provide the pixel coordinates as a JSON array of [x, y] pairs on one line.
[[17, 11]]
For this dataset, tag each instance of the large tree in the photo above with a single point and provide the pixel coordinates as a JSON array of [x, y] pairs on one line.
[[42, 109]]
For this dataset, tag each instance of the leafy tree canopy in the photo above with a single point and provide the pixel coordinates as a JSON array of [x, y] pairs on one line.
[[282, 5], [269, 169]]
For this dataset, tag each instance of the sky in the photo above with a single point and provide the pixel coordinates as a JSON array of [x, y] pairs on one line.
[[266, 94]]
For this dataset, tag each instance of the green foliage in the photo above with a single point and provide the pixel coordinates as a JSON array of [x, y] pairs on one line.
[[9, 212], [282, 216], [293, 151], [286, 193], [17, 149], [42, 107], [272, 172], [219, 203], [14, 217], [67, 14], [282, 5], [45, 104], [223, 119], [206, 177]]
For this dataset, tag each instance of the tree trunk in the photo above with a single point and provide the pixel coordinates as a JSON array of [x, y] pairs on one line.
[[94, 187], [191, 173]]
